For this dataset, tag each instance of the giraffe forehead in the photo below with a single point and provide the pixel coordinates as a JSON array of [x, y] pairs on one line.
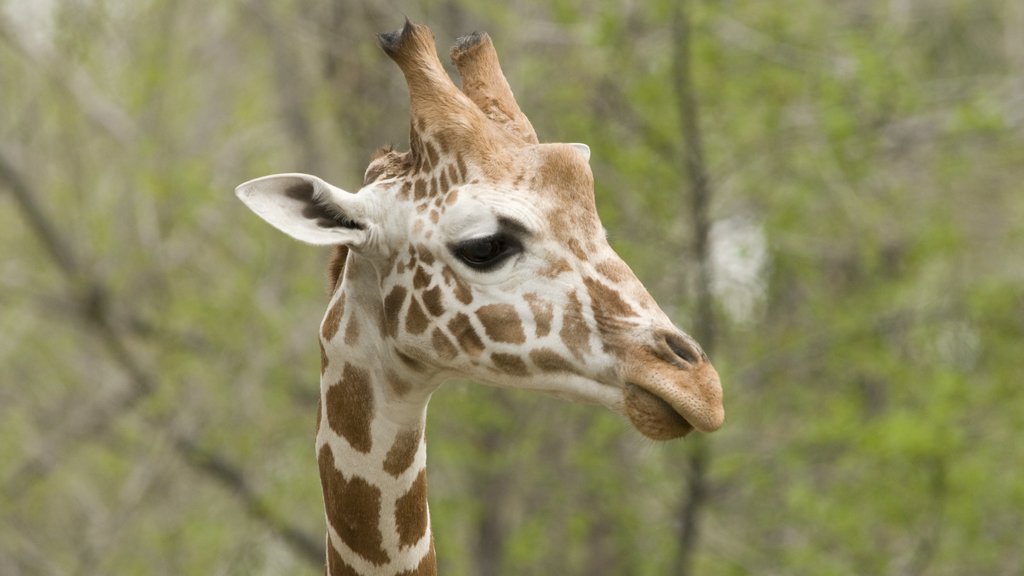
[[479, 209]]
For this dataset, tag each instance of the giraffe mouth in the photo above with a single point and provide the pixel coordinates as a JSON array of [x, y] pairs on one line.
[[652, 416]]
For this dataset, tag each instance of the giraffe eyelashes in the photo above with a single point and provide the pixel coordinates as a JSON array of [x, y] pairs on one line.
[[487, 253]]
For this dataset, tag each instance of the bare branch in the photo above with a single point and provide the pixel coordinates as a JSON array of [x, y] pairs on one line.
[[94, 297], [103, 113], [704, 330]]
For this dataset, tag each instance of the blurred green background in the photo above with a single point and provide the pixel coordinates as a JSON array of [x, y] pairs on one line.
[[158, 357]]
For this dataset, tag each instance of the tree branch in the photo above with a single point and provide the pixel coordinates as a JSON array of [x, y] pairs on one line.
[[94, 297], [705, 332], [104, 114]]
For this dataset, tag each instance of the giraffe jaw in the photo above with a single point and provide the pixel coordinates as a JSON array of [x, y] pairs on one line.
[[652, 416]]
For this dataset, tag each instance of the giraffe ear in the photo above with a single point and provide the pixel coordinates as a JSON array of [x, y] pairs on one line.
[[306, 208]]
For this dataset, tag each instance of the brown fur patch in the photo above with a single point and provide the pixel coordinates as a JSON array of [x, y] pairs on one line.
[[543, 313], [415, 320], [443, 346], [432, 300], [443, 182], [324, 360], [605, 301], [420, 189], [461, 289], [353, 509], [549, 361], [402, 453], [411, 512], [466, 335], [333, 319], [575, 333], [615, 270], [452, 197], [502, 323], [577, 249], [350, 408], [398, 385], [392, 308], [566, 174], [420, 279], [410, 362], [453, 176], [352, 331], [556, 267], [510, 364], [425, 255], [432, 156], [336, 266]]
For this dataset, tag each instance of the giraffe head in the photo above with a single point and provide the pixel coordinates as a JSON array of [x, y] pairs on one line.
[[489, 261]]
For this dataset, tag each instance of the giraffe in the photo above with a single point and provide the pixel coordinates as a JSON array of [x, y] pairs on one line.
[[477, 253]]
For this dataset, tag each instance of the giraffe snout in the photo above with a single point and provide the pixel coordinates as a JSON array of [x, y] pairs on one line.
[[673, 388]]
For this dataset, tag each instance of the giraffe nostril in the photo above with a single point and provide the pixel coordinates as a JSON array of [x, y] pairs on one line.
[[684, 348]]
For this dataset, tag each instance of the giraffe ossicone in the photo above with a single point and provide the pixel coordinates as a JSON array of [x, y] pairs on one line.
[[477, 253]]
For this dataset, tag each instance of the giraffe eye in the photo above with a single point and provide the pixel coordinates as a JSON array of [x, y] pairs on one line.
[[487, 253]]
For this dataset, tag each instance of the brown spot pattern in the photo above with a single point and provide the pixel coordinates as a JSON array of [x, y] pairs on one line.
[[465, 334], [403, 452], [443, 346], [392, 307], [432, 300], [543, 313], [461, 290], [426, 256], [577, 249], [502, 323], [410, 362], [353, 509], [605, 300], [510, 364], [324, 360], [333, 319], [432, 154], [615, 270], [556, 267], [336, 266], [420, 279], [352, 331], [549, 361], [575, 333], [350, 407], [398, 385], [415, 320], [411, 512]]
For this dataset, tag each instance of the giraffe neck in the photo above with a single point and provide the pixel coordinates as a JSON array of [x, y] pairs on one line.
[[371, 445]]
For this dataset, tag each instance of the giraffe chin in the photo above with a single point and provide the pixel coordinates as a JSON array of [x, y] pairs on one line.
[[652, 416]]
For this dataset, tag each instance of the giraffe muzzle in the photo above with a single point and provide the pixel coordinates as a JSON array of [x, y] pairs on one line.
[[673, 389]]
